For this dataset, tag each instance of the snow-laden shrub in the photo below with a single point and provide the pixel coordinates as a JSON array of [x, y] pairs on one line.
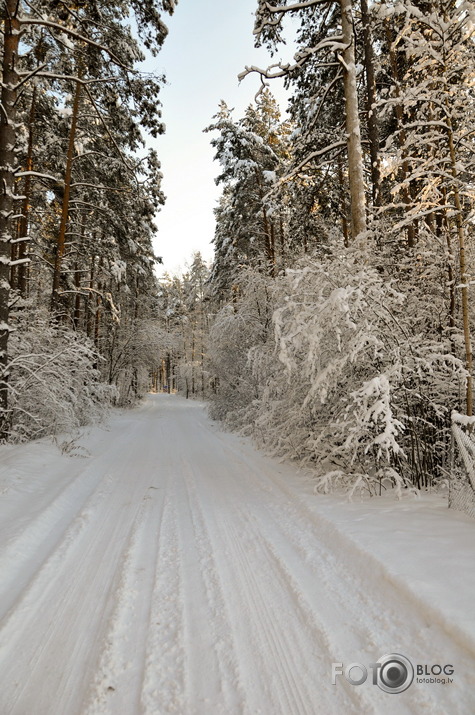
[[237, 329], [54, 381], [329, 405], [348, 380]]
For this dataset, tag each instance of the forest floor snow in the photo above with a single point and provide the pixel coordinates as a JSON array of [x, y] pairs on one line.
[[159, 565]]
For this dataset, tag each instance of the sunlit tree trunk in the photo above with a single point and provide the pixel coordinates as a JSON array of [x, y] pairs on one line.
[[373, 133], [405, 193], [353, 130], [344, 219], [463, 269]]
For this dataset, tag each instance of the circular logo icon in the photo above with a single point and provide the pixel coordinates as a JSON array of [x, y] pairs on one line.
[[395, 674]]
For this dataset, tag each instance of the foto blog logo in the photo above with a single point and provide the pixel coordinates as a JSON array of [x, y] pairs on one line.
[[393, 673]]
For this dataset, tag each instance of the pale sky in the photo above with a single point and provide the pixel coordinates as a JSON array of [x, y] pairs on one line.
[[209, 44]]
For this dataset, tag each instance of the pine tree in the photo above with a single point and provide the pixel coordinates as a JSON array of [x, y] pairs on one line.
[[329, 44], [253, 153], [74, 62]]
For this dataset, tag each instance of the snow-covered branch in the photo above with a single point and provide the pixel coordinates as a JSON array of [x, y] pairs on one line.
[[332, 44], [30, 21], [67, 77], [38, 175]]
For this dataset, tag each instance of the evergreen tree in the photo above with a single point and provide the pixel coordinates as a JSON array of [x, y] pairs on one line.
[[253, 153], [73, 111]]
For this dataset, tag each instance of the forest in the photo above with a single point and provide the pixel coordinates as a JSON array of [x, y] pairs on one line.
[[334, 324]]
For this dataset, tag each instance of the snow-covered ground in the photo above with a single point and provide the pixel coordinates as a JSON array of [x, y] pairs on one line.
[[168, 567]]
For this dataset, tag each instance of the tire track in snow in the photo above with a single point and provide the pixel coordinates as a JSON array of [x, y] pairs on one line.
[[26, 547], [308, 621], [163, 684], [279, 657], [118, 681], [64, 601], [328, 617], [212, 682], [65, 608], [276, 657], [29, 549], [379, 621], [274, 638], [376, 619]]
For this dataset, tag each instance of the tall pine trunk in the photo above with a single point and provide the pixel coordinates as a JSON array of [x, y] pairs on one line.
[[353, 130], [373, 132], [11, 37], [463, 267], [268, 240], [405, 193], [23, 267], [342, 191], [55, 298]]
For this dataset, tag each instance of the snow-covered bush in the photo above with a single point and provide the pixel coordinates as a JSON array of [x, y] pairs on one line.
[[238, 328], [329, 406], [345, 380], [54, 381]]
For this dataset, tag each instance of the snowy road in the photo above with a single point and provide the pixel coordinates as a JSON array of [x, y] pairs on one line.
[[174, 570]]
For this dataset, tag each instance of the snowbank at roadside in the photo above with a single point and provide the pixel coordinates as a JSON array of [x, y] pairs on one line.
[[419, 544]]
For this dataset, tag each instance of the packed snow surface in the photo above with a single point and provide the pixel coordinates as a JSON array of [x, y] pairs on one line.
[[159, 565]]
